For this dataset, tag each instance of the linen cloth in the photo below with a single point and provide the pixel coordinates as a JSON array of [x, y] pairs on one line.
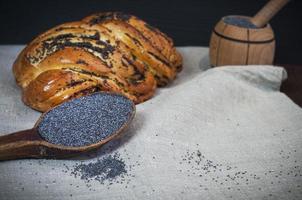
[[214, 133]]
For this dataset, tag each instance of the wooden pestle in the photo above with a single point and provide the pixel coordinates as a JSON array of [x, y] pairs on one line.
[[268, 12]]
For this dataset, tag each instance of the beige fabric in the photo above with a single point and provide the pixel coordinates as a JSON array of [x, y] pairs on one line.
[[249, 133]]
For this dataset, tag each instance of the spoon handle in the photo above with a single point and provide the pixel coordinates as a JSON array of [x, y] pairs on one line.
[[268, 12], [22, 144]]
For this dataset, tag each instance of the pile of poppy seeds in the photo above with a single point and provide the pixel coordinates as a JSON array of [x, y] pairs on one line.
[[103, 169], [239, 21], [86, 120], [107, 170]]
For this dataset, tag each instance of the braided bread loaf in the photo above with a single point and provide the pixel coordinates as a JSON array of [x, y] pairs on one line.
[[103, 52]]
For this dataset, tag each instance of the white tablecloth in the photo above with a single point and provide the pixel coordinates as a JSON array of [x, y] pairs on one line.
[[222, 133]]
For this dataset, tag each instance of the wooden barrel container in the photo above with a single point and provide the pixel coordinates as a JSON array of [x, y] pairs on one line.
[[234, 45]]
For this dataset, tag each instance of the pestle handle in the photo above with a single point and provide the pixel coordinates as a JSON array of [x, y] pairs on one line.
[[268, 12], [21, 144]]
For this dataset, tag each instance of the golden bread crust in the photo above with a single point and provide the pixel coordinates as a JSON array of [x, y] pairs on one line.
[[103, 52]]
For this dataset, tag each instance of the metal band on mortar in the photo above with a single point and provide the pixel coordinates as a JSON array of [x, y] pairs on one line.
[[243, 41]]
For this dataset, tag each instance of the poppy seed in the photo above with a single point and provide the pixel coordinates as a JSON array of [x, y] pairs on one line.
[[85, 120], [239, 21]]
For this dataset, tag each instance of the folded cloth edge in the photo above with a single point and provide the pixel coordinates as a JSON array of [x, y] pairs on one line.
[[266, 77]]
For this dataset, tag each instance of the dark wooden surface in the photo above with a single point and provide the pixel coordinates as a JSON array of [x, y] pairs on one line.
[[292, 87], [188, 22]]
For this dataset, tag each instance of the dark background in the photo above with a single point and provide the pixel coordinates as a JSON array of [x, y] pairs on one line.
[[188, 22]]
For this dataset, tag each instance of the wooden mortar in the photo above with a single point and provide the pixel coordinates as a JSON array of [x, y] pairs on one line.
[[237, 45]]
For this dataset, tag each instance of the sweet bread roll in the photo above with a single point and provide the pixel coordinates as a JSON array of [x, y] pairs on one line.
[[103, 52]]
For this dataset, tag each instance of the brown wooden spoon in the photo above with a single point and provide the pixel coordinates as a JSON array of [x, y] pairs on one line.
[[29, 143]]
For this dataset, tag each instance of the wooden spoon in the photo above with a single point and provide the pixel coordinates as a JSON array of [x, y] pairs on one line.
[[29, 143]]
